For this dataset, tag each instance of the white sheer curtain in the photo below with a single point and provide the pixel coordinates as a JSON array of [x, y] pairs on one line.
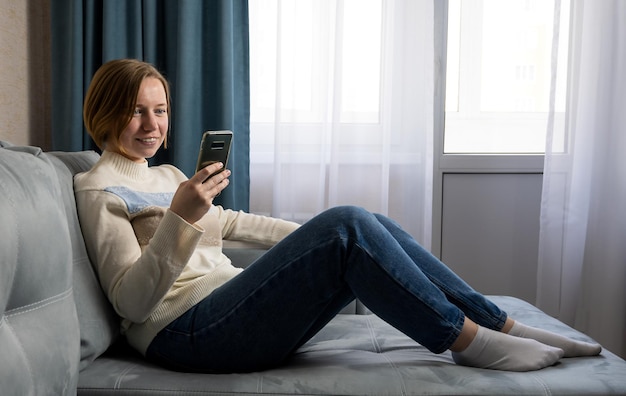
[[342, 108], [582, 259]]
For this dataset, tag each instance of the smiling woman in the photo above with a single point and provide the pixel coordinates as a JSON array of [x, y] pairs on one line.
[[147, 129], [156, 240], [143, 121]]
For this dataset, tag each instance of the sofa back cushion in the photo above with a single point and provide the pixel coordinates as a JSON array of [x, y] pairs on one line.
[[99, 324], [39, 330]]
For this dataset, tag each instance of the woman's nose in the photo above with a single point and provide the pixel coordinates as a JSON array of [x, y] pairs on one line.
[[149, 121]]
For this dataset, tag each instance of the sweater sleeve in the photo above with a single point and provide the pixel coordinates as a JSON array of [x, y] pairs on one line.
[[135, 280], [242, 226]]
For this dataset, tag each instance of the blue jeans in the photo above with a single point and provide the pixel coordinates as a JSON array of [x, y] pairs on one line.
[[258, 319]]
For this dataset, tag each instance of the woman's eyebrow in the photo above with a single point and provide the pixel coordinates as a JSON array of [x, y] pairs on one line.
[[157, 105]]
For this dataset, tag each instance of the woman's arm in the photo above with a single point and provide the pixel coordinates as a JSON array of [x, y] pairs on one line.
[[135, 278], [242, 226]]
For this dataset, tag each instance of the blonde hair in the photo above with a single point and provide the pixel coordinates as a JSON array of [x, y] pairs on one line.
[[112, 97]]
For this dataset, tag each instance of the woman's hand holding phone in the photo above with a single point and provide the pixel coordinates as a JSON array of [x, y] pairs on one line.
[[194, 197]]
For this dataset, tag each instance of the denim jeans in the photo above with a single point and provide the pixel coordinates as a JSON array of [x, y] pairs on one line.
[[258, 319]]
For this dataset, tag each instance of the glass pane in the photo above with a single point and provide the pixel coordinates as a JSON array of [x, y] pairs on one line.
[[499, 75]]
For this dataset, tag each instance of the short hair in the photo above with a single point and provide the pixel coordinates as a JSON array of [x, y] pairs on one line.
[[112, 97]]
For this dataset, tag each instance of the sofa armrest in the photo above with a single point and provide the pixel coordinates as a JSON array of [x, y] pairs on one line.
[[242, 254]]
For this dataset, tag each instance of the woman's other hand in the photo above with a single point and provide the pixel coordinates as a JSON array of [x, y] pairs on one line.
[[194, 197]]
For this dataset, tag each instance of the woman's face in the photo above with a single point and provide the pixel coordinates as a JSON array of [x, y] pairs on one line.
[[147, 130]]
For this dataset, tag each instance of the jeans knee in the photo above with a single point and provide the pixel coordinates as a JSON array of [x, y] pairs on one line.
[[348, 214], [353, 221], [386, 221]]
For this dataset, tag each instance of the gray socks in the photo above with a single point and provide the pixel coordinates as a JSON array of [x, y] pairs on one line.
[[572, 348], [499, 351]]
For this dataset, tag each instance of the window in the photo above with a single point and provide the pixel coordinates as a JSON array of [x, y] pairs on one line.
[[499, 79]]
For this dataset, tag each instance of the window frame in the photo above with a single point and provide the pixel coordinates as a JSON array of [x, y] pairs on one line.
[[445, 163]]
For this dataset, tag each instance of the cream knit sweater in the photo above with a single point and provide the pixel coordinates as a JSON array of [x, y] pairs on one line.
[[152, 264]]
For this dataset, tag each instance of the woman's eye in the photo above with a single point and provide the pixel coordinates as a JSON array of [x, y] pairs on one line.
[[161, 111], [137, 112]]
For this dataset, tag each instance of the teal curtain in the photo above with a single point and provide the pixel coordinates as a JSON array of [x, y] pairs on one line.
[[201, 46]]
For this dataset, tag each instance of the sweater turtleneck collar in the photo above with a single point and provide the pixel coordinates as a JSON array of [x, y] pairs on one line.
[[126, 167]]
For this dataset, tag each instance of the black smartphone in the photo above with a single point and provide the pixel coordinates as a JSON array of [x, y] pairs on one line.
[[215, 147]]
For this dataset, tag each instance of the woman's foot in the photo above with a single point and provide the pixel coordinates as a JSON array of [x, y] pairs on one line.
[[571, 347], [499, 351]]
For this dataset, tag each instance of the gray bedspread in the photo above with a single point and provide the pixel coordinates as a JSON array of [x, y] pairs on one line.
[[362, 355]]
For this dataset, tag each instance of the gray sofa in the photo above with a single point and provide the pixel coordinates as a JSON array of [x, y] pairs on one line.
[[59, 335]]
